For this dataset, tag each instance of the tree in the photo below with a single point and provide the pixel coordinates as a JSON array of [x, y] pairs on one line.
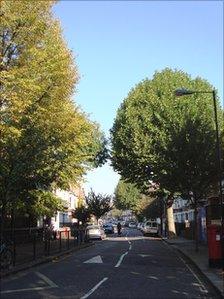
[[172, 137], [43, 203], [127, 196], [82, 213], [46, 142], [146, 208], [116, 213], [98, 204], [149, 207]]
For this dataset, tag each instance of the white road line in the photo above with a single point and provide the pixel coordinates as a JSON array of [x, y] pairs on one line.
[[202, 287], [130, 247], [50, 285], [47, 280], [121, 259], [24, 290], [129, 242], [94, 288]]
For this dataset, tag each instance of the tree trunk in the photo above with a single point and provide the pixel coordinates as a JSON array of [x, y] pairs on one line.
[[161, 217], [196, 224], [170, 223]]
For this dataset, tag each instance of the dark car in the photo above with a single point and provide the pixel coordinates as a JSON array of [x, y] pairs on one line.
[[108, 228]]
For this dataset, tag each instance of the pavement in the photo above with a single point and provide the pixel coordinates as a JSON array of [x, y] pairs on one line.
[[214, 276]]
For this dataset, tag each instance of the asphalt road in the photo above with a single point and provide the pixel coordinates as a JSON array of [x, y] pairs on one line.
[[130, 266]]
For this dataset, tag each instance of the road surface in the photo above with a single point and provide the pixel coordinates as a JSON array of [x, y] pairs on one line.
[[129, 266]]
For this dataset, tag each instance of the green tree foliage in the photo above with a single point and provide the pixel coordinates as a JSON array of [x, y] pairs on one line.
[[127, 196], [116, 213], [174, 137], [82, 213], [43, 203], [46, 140], [149, 207], [98, 204]]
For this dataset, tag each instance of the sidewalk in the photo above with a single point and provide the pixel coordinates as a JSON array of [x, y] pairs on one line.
[[200, 260]]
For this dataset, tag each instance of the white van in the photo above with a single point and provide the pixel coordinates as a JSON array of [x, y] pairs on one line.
[[151, 228]]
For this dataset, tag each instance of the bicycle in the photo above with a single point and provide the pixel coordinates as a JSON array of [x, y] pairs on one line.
[[6, 256]]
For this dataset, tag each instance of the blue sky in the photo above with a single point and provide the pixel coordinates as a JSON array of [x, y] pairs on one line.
[[118, 43]]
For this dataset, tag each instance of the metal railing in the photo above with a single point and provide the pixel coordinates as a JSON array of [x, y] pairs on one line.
[[27, 245]]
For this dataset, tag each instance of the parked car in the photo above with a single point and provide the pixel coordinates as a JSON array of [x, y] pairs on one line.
[[150, 228], [115, 228], [142, 227], [95, 232], [108, 228], [132, 225], [139, 225]]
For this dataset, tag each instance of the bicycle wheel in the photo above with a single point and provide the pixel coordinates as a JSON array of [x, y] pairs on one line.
[[6, 258]]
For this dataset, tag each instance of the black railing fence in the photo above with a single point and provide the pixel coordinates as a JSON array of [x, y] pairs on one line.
[[27, 245]]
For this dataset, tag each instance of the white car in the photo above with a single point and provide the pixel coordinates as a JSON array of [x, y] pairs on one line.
[[95, 232], [139, 225], [150, 228]]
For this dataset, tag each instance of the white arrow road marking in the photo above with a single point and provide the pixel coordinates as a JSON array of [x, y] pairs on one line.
[[94, 288], [50, 285], [47, 280], [95, 260]]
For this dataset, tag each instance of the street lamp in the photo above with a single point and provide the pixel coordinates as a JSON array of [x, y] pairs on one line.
[[181, 92]]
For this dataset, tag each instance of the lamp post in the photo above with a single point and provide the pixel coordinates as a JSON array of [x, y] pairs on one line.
[[182, 92]]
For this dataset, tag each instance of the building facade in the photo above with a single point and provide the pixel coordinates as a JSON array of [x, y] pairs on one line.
[[181, 211], [71, 200]]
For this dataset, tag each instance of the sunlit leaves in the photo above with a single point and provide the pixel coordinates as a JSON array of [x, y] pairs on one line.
[[98, 204], [127, 196], [47, 142], [174, 136]]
